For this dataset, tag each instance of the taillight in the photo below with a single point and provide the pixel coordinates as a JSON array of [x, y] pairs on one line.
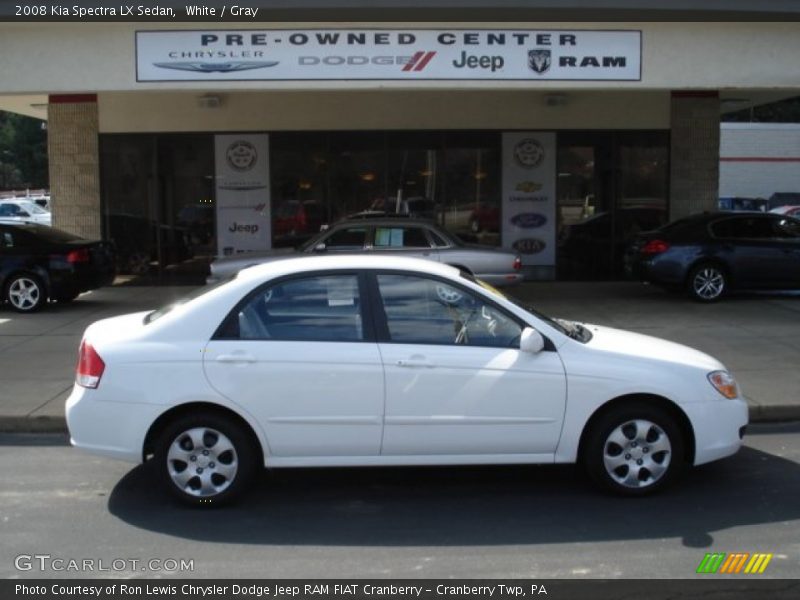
[[90, 366], [78, 256], [517, 263], [655, 247]]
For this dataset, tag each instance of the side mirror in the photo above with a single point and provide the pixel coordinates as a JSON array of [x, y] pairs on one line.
[[531, 341], [320, 247]]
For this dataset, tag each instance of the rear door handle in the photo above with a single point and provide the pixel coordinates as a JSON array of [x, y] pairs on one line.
[[236, 357]]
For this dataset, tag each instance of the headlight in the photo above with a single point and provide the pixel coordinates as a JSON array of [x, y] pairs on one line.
[[724, 383]]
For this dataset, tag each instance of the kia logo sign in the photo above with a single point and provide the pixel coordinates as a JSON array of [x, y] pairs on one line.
[[528, 220], [529, 246]]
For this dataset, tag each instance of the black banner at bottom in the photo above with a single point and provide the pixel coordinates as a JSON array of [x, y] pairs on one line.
[[385, 589]]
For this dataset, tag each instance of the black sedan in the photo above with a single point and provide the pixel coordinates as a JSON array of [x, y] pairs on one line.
[[712, 253], [38, 263]]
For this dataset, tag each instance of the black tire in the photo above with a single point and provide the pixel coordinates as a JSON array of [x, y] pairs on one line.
[[25, 293], [635, 456], [228, 473], [707, 282]]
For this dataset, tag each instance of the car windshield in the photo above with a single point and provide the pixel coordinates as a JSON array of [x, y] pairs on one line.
[[572, 329], [194, 294]]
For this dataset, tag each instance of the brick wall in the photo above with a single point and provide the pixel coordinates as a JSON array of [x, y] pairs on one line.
[[694, 155], [72, 148]]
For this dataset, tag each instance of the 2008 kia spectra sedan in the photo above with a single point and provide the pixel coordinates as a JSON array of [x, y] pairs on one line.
[[369, 361]]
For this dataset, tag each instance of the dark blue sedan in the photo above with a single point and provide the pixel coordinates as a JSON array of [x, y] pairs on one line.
[[711, 253]]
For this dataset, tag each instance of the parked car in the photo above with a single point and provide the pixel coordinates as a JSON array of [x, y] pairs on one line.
[[379, 361], [791, 211], [24, 211], [713, 253], [485, 217], [738, 203], [783, 199], [294, 218], [406, 236], [38, 263], [596, 245]]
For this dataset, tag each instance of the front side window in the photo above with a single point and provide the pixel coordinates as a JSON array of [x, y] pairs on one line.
[[400, 237], [320, 308], [427, 311]]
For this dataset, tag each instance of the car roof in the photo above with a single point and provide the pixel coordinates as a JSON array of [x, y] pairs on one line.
[[303, 264], [384, 220]]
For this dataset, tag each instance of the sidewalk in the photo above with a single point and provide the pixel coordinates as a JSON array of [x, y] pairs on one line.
[[756, 336]]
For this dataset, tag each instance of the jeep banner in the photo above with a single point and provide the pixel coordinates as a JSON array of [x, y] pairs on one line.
[[529, 196], [243, 195], [386, 54]]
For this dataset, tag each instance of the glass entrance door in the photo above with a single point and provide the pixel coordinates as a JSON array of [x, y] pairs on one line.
[[611, 186]]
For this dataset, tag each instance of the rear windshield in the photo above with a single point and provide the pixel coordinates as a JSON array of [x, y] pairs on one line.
[[194, 294], [48, 234]]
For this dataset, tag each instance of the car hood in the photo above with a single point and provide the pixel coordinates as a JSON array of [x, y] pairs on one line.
[[639, 346]]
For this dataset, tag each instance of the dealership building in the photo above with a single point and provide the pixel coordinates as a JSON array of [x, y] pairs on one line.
[[516, 124]]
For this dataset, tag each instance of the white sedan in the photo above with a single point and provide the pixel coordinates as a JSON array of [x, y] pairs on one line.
[[373, 361]]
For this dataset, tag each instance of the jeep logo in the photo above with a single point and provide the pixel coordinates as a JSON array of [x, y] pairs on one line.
[[529, 246], [250, 228], [472, 61]]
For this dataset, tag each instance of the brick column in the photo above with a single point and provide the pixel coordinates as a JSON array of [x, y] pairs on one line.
[[694, 154], [72, 149]]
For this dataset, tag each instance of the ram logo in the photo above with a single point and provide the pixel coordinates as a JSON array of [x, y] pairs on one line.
[[539, 60]]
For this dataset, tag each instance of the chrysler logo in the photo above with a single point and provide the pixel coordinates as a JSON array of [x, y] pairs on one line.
[[227, 67]]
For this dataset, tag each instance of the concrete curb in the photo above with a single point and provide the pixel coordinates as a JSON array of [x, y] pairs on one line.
[[17, 424]]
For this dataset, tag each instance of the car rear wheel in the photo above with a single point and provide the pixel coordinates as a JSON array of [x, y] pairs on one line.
[[707, 283], [634, 450], [205, 459], [25, 293]]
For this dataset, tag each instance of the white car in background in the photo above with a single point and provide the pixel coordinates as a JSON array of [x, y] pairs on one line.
[[359, 360], [24, 211], [789, 210]]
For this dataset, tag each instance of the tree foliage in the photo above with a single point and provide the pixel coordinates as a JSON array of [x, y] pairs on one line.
[[23, 152]]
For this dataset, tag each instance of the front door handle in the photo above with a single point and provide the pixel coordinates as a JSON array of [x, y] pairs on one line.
[[415, 363], [236, 358]]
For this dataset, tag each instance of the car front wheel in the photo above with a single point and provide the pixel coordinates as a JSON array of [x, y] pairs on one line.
[[634, 450], [205, 459], [707, 283], [25, 293]]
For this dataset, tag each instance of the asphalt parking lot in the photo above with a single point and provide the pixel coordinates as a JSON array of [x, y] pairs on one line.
[[757, 336]]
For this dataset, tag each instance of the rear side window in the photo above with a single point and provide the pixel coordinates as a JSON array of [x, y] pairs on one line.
[[319, 308], [348, 238], [400, 237], [744, 228]]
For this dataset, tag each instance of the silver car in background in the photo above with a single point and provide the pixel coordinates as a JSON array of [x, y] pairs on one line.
[[391, 236]]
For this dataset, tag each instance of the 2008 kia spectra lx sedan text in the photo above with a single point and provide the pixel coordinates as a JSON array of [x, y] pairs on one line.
[[369, 361]]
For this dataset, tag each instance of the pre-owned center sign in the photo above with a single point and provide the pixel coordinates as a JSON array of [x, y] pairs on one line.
[[384, 54]]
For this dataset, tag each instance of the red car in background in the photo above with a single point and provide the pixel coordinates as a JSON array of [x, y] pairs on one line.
[[295, 217]]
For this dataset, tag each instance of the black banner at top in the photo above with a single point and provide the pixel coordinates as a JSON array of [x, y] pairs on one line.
[[405, 589], [376, 11]]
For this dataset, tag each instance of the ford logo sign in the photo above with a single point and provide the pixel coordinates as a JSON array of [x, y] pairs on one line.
[[529, 246], [528, 220]]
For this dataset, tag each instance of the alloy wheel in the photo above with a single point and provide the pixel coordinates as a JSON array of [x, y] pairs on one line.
[[637, 454], [24, 293], [708, 283]]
